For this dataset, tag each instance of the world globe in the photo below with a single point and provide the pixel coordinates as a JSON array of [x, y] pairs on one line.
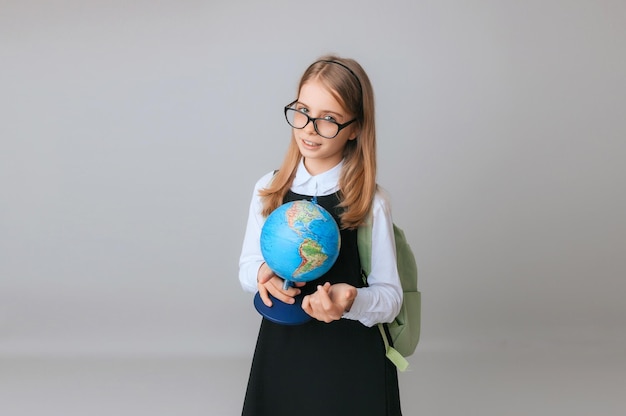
[[300, 241]]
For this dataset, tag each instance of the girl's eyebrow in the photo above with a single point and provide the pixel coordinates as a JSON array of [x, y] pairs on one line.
[[323, 111]]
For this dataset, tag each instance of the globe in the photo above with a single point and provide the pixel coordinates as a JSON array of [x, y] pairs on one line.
[[300, 241]]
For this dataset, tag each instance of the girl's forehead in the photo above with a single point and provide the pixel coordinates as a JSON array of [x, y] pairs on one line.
[[315, 94]]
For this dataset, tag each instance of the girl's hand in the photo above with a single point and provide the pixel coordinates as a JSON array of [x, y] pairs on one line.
[[269, 283], [329, 302]]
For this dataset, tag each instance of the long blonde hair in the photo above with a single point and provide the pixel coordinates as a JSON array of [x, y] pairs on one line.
[[350, 85]]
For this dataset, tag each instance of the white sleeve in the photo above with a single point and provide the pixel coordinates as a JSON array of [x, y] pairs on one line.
[[251, 257], [382, 299]]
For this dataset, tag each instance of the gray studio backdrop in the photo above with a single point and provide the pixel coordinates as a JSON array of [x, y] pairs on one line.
[[131, 134]]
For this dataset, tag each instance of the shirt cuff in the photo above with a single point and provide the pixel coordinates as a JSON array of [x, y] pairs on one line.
[[248, 276], [360, 306]]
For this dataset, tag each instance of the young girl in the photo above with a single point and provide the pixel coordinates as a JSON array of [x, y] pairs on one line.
[[334, 364]]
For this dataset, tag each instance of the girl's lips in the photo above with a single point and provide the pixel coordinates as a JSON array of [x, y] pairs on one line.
[[310, 143]]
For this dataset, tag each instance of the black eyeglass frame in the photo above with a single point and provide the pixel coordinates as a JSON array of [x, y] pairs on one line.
[[314, 120]]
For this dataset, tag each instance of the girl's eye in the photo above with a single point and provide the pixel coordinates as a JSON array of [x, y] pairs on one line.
[[302, 109], [330, 118]]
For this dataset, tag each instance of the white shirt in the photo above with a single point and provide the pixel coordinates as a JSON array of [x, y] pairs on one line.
[[381, 300]]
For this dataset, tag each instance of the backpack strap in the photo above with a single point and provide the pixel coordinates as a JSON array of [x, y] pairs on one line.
[[391, 353], [364, 241]]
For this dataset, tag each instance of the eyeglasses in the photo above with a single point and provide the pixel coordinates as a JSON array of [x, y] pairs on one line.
[[324, 126]]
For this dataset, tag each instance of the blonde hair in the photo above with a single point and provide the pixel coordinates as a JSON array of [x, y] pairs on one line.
[[350, 85]]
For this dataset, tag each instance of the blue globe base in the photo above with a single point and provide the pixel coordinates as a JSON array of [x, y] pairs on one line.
[[281, 312]]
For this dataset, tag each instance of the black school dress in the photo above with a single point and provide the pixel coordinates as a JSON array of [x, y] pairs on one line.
[[334, 369]]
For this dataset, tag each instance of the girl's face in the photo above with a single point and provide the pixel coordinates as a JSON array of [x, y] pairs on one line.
[[321, 154]]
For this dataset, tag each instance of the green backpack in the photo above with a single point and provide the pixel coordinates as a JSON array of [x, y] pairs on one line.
[[405, 329]]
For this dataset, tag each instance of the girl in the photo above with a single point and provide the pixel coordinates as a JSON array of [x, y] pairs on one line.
[[334, 364]]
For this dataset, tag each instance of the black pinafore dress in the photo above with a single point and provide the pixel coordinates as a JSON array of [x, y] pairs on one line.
[[334, 369]]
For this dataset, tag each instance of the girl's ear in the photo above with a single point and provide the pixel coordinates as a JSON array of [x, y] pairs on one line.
[[354, 134]]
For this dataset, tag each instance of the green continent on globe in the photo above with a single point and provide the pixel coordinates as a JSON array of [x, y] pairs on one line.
[[312, 257], [304, 213]]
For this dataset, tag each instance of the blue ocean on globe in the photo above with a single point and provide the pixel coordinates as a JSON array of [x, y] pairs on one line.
[[300, 241]]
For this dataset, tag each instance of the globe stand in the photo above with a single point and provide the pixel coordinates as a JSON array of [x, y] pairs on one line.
[[281, 312]]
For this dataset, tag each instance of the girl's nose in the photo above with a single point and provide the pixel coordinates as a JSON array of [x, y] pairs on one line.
[[310, 128]]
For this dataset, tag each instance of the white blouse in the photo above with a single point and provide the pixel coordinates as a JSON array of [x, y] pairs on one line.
[[381, 300]]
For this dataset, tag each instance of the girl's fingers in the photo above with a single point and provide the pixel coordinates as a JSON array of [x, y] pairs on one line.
[[283, 297], [264, 296], [320, 306], [279, 285], [275, 288], [306, 305], [326, 302], [264, 274]]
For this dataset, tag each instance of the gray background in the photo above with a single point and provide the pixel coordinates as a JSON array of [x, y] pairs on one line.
[[131, 134]]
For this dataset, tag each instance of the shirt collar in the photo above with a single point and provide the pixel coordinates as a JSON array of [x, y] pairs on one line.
[[323, 184]]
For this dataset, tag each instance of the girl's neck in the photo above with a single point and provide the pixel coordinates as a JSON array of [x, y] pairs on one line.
[[316, 166]]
